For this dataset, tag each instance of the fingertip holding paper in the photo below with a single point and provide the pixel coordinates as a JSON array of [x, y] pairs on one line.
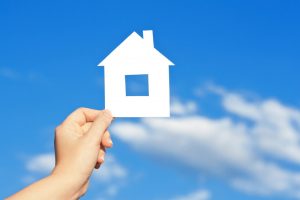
[[137, 56]]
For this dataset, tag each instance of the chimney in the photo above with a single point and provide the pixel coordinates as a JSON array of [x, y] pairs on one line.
[[148, 38]]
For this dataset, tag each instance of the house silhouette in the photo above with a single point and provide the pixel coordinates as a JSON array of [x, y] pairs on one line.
[[137, 56]]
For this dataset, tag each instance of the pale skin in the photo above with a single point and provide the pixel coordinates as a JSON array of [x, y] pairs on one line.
[[80, 143]]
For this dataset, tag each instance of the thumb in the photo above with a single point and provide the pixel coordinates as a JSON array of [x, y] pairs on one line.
[[99, 126]]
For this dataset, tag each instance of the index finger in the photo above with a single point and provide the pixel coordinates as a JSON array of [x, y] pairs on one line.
[[82, 116]]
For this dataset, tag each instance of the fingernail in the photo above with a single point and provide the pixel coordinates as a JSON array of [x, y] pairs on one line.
[[110, 142], [102, 158]]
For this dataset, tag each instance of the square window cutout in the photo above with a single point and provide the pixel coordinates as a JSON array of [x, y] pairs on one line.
[[137, 85]]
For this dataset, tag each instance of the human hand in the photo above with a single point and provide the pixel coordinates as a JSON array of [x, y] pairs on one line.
[[80, 143]]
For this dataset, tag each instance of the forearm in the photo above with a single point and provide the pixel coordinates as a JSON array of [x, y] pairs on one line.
[[50, 187]]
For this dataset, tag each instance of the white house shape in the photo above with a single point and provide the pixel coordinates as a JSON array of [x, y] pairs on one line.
[[134, 56]]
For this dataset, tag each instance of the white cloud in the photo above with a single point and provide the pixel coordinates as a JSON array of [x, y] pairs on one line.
[[112, 190], [42, 163], [110, 171], [113, 175], [8, 73], [276, 127], [197, 195], [235, 149], [178, 108], [12, 74]]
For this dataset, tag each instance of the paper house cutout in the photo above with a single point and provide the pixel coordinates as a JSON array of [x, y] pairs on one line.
[[137, 56]]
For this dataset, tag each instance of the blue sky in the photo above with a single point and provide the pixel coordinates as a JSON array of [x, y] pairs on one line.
[[234, 60]]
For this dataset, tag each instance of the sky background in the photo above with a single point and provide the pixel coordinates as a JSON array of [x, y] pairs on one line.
[[234, 132]]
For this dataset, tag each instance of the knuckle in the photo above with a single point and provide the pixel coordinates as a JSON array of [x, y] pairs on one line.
[[80, 109]]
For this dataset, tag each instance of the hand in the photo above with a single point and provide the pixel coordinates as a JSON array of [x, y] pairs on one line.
[[80, 143]]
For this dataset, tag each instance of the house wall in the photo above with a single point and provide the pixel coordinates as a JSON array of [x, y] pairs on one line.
[[156, 104]]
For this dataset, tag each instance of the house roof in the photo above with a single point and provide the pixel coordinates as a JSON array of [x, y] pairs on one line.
[[134, 47]]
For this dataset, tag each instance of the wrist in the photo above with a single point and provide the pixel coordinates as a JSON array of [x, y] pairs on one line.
[[68, 185]]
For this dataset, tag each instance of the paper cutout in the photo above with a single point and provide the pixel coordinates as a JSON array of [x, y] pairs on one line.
[[134, 56]]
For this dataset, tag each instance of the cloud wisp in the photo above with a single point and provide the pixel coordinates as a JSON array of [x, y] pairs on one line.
[[245, 147], [201, 194], [8, 73], [110, 170], [14, 75], [42, 163], [112, 174]]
